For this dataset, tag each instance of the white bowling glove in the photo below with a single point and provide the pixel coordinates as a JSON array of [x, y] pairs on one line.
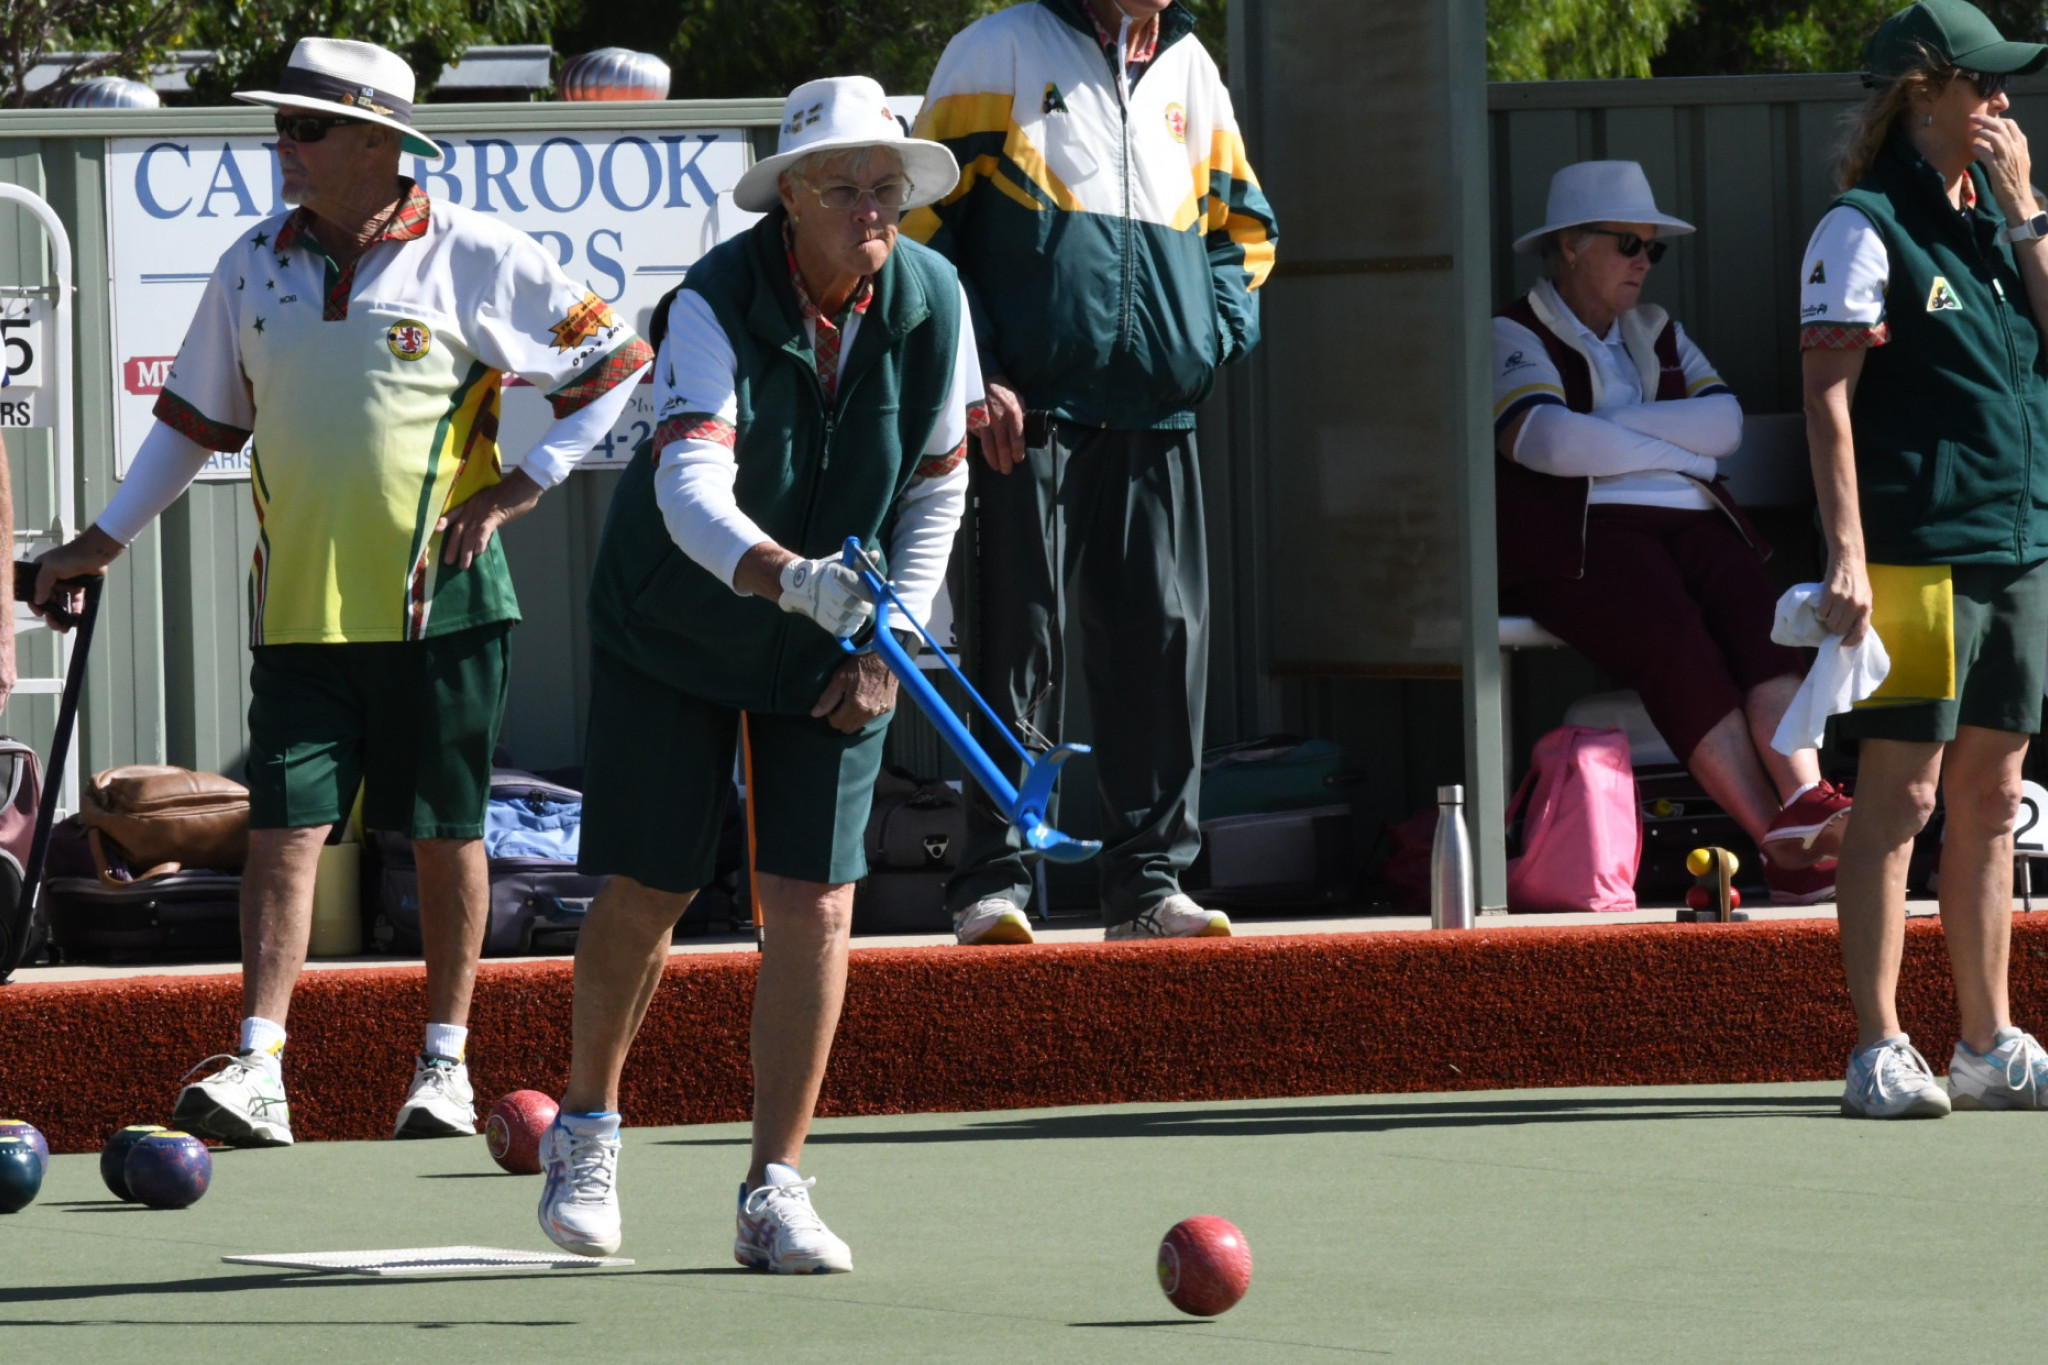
[[828, 592]]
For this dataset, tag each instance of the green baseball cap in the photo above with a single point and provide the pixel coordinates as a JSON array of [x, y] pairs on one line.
[[1956, 32]]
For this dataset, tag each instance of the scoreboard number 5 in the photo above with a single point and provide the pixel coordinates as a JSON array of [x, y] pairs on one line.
[[23, 330]]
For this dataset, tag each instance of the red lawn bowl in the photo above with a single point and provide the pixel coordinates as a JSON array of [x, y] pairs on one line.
[[514, 1128], [1205, 1265]]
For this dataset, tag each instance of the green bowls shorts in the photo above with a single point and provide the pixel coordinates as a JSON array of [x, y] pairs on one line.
[[658, 770], [2001, 662], [412, 722]]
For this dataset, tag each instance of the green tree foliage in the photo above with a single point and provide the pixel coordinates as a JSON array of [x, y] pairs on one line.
[[255, 37], [1541, 40], [129, 35], [733, 49], [1732, 37]]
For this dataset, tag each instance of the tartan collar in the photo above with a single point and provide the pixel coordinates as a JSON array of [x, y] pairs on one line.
[[1147, 50], [409, 224], [862, 296]]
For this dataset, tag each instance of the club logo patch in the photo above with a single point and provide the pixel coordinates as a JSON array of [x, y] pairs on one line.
[[1177, 122], [1942, 299], [1052, 103], [408, 339], [1820, 273], [589, 317]]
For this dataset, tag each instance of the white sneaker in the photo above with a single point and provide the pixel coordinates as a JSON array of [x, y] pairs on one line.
[[440, 1103], [780, 1231], [2013, 1075], [242, 1104], [579, 1204], [1175, 917], [1890, 1080], [991, 920]]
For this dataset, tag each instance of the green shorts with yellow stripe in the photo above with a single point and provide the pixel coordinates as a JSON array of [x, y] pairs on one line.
[[412, 722]]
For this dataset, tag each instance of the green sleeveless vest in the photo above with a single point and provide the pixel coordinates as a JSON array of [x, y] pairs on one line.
[[1951, 414], [808, 477]]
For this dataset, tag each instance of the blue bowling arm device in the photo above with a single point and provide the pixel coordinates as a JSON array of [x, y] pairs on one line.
[[1025, 807]]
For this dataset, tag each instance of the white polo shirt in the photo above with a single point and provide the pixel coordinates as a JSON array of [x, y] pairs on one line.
[[372, 394]]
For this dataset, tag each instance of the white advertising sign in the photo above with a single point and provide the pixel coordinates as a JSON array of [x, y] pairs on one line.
[[24, 336], [624, 211]]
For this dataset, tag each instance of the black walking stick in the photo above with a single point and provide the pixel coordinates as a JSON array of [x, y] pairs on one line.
[[15, 920]]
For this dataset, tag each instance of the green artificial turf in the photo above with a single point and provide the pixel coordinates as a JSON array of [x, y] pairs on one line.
[[1728, 1223]]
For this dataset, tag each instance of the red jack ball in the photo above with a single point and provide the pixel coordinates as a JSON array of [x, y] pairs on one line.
[[1205, 1266]]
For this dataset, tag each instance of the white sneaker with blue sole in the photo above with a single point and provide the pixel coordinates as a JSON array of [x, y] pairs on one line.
[[781, 1232], [1891, 1080], [579, 1203], [2013, 1075]]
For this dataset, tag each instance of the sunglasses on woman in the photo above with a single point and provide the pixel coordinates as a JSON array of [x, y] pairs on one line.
[[1628, 244], [308, 127], [1988, 84]]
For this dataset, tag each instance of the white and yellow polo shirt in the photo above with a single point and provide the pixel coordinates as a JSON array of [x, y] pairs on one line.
[[372, 395]]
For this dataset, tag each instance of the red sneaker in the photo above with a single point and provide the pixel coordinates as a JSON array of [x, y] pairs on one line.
[[1809, 829], [1800, 885]]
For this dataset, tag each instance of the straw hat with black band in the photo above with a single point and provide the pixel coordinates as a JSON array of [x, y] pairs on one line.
[[355, 80]]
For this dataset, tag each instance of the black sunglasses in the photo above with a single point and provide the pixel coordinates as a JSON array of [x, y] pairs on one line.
[[1628, 244], [1988, 83], [309, 127]]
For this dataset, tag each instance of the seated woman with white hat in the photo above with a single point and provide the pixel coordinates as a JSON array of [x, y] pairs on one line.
[[1616, 531]]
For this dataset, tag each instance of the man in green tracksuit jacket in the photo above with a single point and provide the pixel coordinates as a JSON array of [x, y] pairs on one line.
[[1110, 235]]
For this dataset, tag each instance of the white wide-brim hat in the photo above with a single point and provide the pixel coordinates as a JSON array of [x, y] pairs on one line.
[[842, 112], [1601, 192], [356, 80]]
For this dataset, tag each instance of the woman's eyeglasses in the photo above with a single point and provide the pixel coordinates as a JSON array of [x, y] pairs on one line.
[[890, 194], [1628, 244], [1988, 84], [308, 127]]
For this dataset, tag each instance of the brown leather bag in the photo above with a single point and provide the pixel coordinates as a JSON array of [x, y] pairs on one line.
[[166, 818]]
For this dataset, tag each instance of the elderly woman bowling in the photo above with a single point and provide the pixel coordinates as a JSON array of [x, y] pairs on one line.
[[813, 381], [1616, 531]]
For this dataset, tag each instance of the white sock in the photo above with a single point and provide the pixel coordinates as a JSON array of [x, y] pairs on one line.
[[265, 1038], [1801, 792], [590, 1125], [445, 1040]]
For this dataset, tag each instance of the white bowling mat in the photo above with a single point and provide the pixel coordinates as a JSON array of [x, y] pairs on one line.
[[429, 1261]]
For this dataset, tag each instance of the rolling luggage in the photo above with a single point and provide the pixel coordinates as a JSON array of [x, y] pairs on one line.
[[1275, 859], [180, 916], [916, 833]]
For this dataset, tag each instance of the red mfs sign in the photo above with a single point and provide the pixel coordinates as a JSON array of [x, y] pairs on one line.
[[146, 373]]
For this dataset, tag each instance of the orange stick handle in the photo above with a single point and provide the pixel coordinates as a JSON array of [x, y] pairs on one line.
[[753, 847]]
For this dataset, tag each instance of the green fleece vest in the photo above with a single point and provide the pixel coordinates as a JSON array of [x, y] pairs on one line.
[[1951, 414], [808, 477]]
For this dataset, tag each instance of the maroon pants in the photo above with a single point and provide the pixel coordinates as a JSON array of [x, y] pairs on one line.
[[1674, 604]]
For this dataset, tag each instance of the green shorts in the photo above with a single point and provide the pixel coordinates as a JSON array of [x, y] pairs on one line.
[[658, 769], [412, 722], [2001, 662]]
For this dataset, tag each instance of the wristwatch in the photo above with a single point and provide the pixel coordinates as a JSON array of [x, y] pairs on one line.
[[2037, 226]]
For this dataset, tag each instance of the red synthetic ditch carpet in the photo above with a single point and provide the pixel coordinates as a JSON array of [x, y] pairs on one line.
[[930, 1029]]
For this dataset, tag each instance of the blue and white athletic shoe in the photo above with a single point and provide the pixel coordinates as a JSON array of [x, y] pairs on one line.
[[1891, 1080], [780, 1231], [579, 1203], [2013, 1075]]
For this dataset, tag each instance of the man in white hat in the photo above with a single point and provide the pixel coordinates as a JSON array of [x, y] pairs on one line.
[[360, 342], [1113, 239], [816, 380]]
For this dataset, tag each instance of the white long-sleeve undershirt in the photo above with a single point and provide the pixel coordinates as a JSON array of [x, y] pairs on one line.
[[1709, 426], [169, 461], [1556, 440]]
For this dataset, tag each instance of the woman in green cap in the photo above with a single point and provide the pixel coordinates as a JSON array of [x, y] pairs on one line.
[[1927, 415]]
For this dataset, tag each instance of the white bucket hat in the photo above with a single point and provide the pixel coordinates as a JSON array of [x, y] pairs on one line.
[[1601, 192], [356, 80], [840, 112]]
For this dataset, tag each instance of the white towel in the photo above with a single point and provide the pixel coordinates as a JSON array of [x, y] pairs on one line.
[[1841, 676]]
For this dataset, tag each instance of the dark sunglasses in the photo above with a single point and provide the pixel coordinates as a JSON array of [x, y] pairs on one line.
[[1988, 84], [1628, 244], [309, 127]]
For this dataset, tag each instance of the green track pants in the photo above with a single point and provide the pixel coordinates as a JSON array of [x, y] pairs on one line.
[[1107, 524]]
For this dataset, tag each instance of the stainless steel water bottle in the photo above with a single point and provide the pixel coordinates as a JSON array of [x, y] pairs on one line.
[[1450, 864]]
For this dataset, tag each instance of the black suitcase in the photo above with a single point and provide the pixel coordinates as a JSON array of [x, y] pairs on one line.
[[1275, 859], [916, 832], [184, 916]]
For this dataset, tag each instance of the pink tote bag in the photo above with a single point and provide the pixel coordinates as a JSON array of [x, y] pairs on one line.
[[1583, 835]]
